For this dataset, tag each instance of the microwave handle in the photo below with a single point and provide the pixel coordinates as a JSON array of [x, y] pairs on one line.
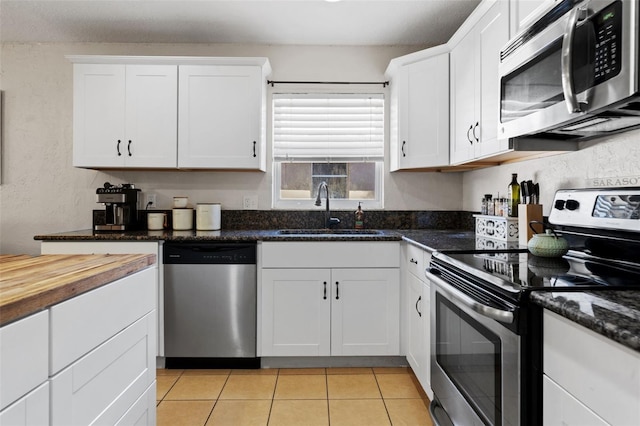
[[568, 87], [456, 295]]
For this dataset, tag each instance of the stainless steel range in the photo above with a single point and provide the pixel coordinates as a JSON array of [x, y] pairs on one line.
[[486, 351]]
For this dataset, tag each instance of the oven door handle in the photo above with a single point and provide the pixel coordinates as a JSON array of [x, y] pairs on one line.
[[568, 87], [456, 295]]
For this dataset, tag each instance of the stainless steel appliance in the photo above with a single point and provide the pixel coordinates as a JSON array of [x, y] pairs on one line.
[[210, 298], [121, 208], [573, 74], [486, 350]]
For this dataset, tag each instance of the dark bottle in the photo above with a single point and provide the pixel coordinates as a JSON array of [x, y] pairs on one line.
[[513, 194], [359, 216]]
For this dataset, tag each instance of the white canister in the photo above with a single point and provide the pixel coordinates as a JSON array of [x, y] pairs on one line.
[[182, 219], [156, 221], [180, 202], [208, 217]]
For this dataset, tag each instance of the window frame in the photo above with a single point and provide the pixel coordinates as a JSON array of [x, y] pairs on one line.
[[336, 204]]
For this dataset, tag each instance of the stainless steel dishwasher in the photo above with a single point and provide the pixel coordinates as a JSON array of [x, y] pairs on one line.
[[210, 297]]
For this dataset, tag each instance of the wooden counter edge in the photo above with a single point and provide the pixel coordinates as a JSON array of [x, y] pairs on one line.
[[38, 302]]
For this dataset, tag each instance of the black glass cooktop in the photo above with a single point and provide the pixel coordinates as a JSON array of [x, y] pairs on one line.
[[519, 271]]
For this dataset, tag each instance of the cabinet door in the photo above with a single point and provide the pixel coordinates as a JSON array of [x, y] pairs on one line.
[[365, 312], [151, 119], [424, 114], [416, 338], [220, 121], [464, 94], [296, 312], [492, 35], [522, 12], [98, 115]]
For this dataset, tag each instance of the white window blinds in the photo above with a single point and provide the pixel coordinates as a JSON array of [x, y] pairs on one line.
[[328, 127]]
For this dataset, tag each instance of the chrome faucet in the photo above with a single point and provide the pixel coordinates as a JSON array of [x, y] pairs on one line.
[[328, 220]]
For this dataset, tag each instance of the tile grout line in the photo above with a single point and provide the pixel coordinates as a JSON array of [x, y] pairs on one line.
[[383, 399], [217, 399]]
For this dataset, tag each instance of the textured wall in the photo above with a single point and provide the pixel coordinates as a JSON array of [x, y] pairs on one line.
[[42, 193], [618, 156]]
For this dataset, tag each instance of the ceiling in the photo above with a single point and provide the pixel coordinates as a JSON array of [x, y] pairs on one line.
[[306, 22]]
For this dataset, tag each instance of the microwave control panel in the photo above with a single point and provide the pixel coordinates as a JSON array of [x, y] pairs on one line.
[[608, 29]]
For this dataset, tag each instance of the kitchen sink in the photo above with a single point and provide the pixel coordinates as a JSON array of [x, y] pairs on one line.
[[341, 232]]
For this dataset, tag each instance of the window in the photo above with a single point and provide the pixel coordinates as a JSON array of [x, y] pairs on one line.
[[335, 138]]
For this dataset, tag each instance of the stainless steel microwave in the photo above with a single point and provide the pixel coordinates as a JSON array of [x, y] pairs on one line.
[[573, 73]]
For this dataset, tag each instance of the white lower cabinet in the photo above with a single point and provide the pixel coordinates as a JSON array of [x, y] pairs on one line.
[[416, 313], [24, 357], [120, 247], [100, 387], [325, 311], [322, 312], [87, 360], [588, 379]]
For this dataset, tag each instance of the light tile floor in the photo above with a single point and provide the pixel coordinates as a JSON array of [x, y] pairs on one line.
[[291, 397]]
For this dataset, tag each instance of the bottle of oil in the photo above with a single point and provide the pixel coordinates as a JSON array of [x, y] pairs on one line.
[[359, 215], [513, 194]]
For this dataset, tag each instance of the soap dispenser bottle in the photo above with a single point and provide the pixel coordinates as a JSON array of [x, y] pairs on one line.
[[359, 215]]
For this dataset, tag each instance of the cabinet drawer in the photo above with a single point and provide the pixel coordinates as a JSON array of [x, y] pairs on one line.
[[23, 356], [600, 373], [331, 254], [415, 261], [562, 409], [100, 387], [33, 409], [143, 411], [84, 322]]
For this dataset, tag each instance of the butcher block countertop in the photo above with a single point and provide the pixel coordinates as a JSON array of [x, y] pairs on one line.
[[29, 284]]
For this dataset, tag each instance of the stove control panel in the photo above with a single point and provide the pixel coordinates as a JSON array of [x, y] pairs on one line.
[[606, 208]]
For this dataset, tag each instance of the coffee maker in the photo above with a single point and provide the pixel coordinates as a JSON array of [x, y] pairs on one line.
[[121, 208]]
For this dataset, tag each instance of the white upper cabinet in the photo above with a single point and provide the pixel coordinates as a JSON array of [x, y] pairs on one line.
[[475, 86], [125, 115], [420, 109], [222, 117], [524, 12], [169, 112]]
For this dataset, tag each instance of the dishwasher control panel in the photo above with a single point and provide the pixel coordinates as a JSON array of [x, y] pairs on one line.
[[210, 253]]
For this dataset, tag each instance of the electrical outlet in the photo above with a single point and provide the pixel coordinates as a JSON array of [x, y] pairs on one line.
[[150, 201], [250, 202]]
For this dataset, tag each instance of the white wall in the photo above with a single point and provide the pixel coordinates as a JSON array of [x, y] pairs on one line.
[[42, 193], [617, 157]]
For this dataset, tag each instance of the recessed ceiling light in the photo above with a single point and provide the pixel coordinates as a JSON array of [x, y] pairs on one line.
[[332, 1]]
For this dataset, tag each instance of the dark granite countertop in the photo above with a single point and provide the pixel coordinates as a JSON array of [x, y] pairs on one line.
[[223, 235], [613, 314], [425, 238]]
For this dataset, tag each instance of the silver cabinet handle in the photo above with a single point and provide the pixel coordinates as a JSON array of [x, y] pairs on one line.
[[418, 301], [403, 144], [412, 260], [254, 149], [337, 291], [456, 295], [129, 147], [468, 137], [474, 132], [118, 148]]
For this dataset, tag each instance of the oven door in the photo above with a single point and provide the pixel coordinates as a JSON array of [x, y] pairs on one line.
[[579, 66], [475, 359]]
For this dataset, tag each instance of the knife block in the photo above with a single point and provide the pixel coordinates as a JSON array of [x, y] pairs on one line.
[[527, 213]]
